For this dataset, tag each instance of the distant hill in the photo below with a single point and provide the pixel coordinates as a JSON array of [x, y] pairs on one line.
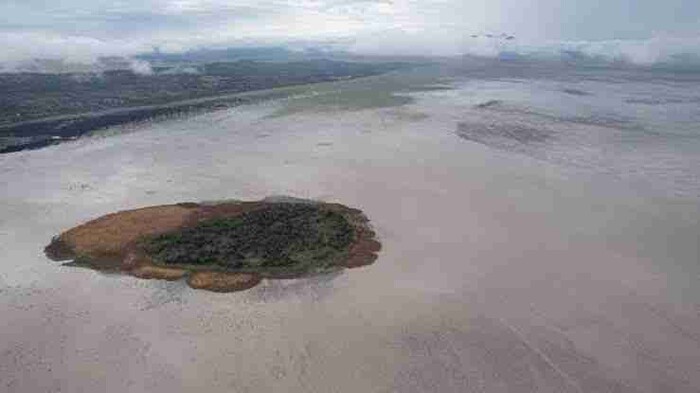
[[223, 55]]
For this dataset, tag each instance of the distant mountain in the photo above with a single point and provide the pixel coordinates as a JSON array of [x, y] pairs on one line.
[[222, 55]]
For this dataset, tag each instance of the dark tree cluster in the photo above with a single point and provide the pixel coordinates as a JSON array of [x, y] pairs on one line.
[[281, 236]]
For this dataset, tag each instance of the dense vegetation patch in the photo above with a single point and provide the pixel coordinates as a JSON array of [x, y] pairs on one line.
[[280, 236]]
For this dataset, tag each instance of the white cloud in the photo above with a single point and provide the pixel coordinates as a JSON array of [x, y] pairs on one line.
[[659, 48], [86, 29], [27, 45], [141, 67]]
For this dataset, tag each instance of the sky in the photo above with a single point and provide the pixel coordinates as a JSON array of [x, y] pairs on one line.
[[84, 29]]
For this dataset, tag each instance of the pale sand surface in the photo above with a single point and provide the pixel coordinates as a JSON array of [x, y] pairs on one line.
[[498, 273]]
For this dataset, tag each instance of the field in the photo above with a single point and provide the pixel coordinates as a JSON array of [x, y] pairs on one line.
[[39, 109]]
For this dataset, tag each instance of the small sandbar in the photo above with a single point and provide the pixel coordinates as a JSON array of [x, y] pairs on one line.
[[222, 246]]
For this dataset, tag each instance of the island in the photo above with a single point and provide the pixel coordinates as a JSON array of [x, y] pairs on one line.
[[222, 246]]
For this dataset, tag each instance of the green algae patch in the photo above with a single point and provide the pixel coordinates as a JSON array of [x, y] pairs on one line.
[[223, 246]]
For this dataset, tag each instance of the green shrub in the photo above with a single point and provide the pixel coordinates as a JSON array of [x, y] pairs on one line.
[[291, 236]]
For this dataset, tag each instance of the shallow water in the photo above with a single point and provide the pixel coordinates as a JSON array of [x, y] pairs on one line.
[[563, 263], [638, 127]]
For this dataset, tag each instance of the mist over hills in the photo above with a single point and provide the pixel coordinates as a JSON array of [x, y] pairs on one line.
[[50, 100], [682, 53]]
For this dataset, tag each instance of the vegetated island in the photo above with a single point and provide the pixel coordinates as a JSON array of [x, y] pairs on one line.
[[222, 246]]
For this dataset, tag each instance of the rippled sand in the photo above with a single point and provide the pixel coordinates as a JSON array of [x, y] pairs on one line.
[[499, 272]]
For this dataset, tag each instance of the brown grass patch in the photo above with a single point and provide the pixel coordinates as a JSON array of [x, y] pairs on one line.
[[223, 281], [364, 251], [110, 235], [158, 272]]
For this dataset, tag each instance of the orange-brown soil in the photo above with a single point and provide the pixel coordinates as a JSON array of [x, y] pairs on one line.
[[111, 235], [111, 243], [223, 281]]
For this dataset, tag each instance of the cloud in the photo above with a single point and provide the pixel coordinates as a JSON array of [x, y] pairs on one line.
[[661, 48], [140, 67], [81, 30], [27, 45]]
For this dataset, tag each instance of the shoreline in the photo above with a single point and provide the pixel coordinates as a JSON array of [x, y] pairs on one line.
[[53, 130]]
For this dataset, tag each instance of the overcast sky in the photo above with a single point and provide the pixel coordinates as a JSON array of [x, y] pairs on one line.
[[88, 28]]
